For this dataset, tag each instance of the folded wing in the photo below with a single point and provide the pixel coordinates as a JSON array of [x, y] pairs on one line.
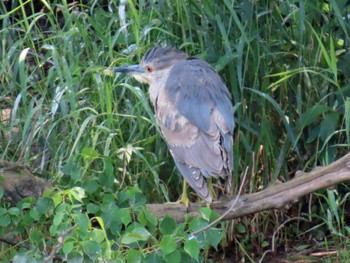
[[196, 118]]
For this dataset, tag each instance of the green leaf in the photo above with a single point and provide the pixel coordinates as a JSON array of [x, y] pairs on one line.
[[106, 179], [332, 200], [112, 219], [168, 226], [72, 169], [36, 237], [240, 228], [126, 217], [68, 247], [131, 196], [329, 125], [82, 220], [142, 218], [16, 219], [206, 213], [26, 205], [78, 193], [44, 205], [134, 256], [213, 236], [174, 257], [57, 219], [3, 211], [151, 258], [98, 235], [76, 257], [89, 154], [13, 211], [91, 186], [138, 234], [282, 115], [192, 248], [147, 219], [153, 220], [34, 213], [209, 237], [311, 115], [53, 230], [108, 203], [63, 208], [27, 219], [265, 244], [92, 249], [92, 208], [57, 199], [347, 118], [102, 236], [24, 259], [197, 224], [14, 214], [22, 69], [5, 220], [224, 60], [168, 245]]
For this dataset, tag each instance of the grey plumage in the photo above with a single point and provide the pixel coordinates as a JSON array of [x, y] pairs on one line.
[[194, 111]]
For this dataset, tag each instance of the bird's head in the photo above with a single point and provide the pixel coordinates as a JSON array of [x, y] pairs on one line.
[[154, 65]]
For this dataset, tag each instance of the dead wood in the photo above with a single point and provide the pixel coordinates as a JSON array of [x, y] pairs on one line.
[[273, 197], [18, 182]]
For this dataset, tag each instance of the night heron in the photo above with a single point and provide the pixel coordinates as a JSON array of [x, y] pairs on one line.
[[194, 111]]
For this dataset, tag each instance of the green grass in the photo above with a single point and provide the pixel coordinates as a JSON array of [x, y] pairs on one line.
[[72, 120]]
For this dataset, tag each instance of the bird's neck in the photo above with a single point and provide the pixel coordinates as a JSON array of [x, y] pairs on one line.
[[157, 84], [153, 93]]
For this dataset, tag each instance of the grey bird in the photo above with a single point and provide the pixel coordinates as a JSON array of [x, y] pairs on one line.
[[194, 111]]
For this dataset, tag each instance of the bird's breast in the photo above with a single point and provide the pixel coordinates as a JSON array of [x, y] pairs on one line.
[[176, 128], [153, 94]]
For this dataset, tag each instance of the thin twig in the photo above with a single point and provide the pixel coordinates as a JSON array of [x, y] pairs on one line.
[[272, 250], [60, 242], [191, 236], [12, 240]]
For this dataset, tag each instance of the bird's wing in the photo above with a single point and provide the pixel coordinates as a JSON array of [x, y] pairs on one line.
[[196, 89], [195, 114]]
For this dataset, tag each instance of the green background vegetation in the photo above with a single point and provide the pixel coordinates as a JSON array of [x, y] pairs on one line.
[[93, 134]]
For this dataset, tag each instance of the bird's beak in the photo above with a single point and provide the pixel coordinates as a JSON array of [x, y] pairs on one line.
[[130, 69]]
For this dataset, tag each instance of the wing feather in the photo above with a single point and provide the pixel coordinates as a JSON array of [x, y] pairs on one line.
[[196, 118]]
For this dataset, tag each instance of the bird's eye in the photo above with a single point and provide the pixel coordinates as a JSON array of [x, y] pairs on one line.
[[149, 69]]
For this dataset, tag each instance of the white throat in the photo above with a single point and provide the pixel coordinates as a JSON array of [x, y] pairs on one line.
[[158, 82]]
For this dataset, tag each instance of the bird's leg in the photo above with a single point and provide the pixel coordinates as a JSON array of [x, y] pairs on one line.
[[184, 197], [211, 189]]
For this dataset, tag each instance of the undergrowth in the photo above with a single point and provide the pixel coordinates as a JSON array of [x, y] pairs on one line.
[[93, 133]]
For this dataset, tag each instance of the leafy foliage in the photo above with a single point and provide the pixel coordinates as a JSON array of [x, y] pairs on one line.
[[111, 232], [94, 135]]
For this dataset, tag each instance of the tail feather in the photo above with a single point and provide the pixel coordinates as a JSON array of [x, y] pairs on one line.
[[195, 179]]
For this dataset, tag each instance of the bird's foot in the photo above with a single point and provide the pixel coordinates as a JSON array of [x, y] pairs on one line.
[[212, 194], [184, 200]]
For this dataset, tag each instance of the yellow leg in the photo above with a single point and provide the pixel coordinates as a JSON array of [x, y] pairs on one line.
[[184, 197], [211, 190]]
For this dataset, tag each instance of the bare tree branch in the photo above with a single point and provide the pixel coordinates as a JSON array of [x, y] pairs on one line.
[[60, 242], [274, 197]]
